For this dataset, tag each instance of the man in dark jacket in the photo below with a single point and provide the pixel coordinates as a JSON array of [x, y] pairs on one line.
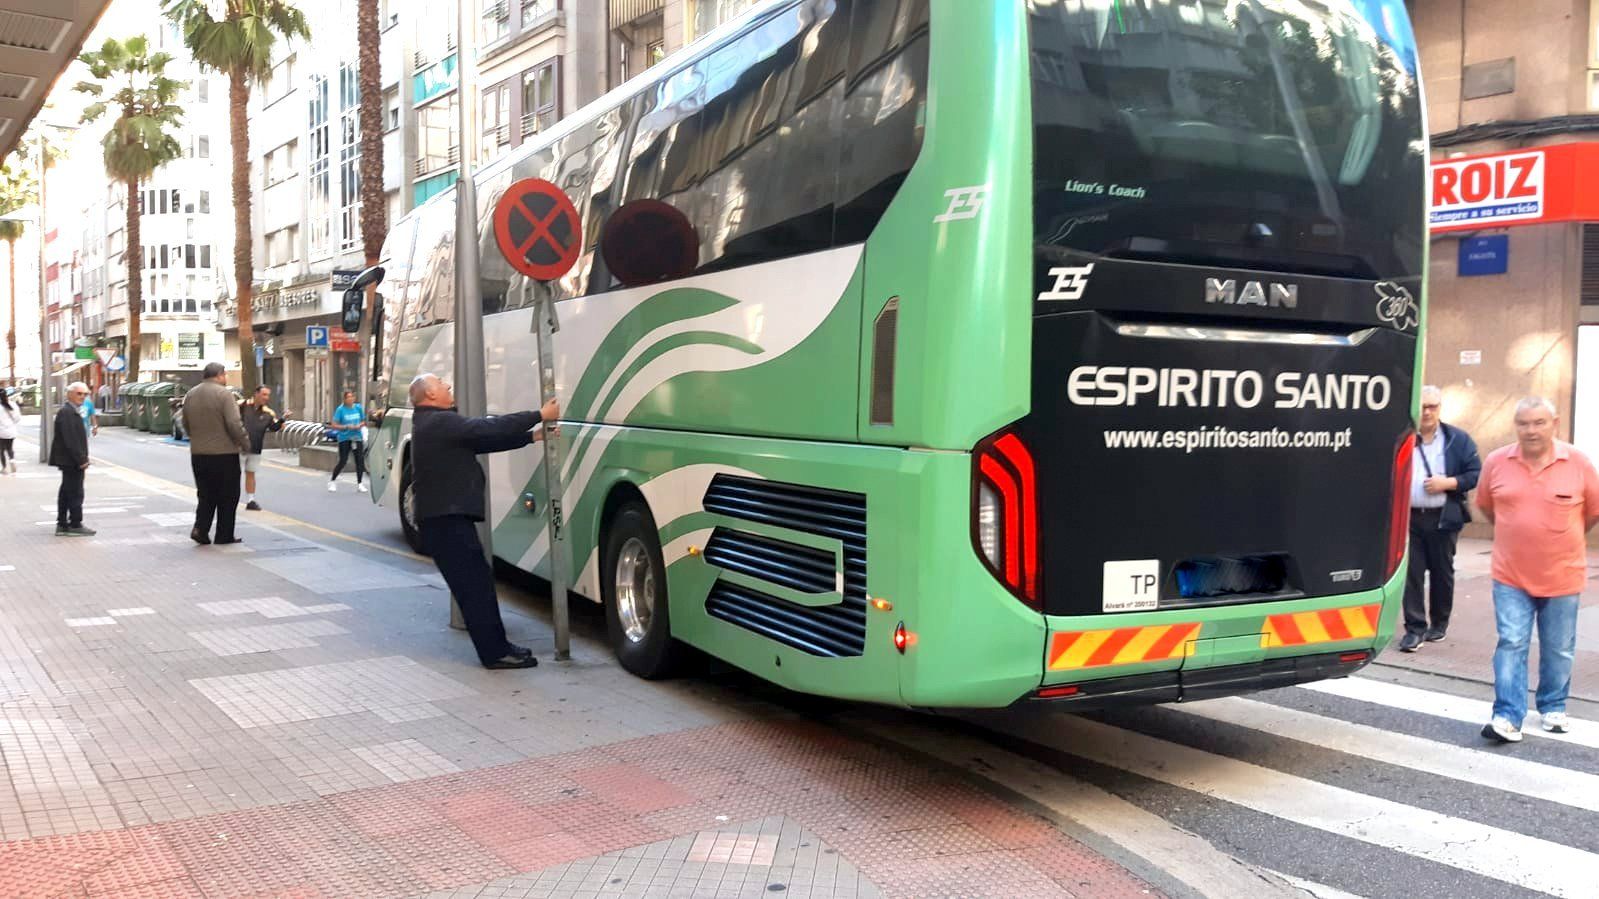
[[1445, 468], [69, 451], [259, 420], [448, 499]]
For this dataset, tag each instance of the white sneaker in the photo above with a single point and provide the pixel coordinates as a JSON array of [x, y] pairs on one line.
[[360, 488], [1556, 722], [333, 486], [1502, 730]]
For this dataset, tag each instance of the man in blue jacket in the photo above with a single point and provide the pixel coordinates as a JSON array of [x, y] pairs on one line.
[[1444, 470], [448, 499]]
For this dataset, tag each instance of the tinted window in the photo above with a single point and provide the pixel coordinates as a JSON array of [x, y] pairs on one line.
[[886, 110], [433, 265], [745, 142], [1266, 135]]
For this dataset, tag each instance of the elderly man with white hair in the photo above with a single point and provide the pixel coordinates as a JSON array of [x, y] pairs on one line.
[[69, 451], [448, 499], [1542, 496], [1444, 470]]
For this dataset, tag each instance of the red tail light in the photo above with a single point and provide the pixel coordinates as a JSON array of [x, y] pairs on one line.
[[1399, 508], [1005, 514]]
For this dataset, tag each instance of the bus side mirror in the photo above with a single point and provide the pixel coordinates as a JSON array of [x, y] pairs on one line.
[[353, 311]]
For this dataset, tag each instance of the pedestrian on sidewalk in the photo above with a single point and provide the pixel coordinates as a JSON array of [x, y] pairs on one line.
[[91, 417], [10, 424], [259, 420], [217, 440], [349, 420], [1445, 468], [69, 451], [449, 503], [1541, 494]]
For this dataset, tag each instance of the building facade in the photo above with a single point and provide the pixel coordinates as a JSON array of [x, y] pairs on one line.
[[1514, 266]]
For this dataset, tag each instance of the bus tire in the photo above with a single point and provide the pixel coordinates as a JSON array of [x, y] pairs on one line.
[[413, 533], [633, 586]]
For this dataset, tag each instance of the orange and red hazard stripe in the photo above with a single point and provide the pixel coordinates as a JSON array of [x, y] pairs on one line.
[[1324, 626], [1121, 646]]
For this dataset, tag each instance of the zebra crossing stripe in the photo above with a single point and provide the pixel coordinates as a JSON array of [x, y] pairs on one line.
[[1445, 705], [1535, 780], [1491, 852]]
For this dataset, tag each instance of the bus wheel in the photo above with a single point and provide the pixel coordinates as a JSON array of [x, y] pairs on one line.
[[633, 585], [408, 523]]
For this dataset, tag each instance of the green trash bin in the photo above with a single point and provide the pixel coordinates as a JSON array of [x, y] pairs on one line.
[[141, 401], [127, 404], [160, 398]]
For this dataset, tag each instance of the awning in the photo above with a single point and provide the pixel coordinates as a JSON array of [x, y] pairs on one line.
[[61, 373], [37, 42]]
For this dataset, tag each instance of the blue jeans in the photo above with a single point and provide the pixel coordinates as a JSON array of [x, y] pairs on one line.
[[1514, 611]]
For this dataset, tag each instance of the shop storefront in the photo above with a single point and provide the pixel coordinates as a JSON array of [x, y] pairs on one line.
[[1514, 287], [304, 357]]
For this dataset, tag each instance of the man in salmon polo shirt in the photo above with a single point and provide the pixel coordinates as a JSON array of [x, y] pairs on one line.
[[1542, 496]]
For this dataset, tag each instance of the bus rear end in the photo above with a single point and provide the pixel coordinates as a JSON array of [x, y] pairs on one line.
[[1210, 491]]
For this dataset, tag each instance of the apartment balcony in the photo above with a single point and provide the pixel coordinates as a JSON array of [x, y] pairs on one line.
[[626, 12], [426, 165]]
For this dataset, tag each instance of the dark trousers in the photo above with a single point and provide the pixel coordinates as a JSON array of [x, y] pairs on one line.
[[346, 447], [69, 499], [6, 452], [216, 484], [1432, 552], [456, 549]]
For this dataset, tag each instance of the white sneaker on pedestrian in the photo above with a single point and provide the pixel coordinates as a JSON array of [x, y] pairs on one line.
[[360, 488], [1502, 730], [333, 486], [1556, 722]]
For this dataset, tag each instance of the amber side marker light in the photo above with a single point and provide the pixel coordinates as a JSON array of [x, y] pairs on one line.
[[882, 605]]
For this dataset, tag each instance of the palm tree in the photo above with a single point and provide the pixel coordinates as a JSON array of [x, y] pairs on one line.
[[18, 188], [140, 141], [240, 44], [374, 204]]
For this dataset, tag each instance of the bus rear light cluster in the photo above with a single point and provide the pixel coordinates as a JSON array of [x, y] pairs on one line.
[[1399, 508], [1005, 514]]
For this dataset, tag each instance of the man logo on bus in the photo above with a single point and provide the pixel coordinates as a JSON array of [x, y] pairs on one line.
[[1070, 282], [1396, 306]]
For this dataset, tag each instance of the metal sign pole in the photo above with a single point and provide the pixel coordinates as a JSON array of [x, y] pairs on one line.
[[545, 324], [470, 390]]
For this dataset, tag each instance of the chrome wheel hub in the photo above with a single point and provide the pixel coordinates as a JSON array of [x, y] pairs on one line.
[[635, 590]]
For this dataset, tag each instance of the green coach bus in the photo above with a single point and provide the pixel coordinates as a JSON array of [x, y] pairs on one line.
[[965, 353]]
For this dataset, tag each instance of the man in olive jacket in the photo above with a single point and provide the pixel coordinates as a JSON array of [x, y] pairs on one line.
[[216, 440], [69, 451], [448, 498]]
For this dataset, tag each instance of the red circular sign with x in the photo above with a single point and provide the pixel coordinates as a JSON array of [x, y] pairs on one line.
[[538, 230]]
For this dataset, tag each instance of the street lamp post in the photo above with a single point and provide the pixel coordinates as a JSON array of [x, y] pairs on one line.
[[471, 395], [45, 379]]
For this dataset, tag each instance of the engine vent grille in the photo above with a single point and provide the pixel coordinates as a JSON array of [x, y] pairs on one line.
[[837, 630]]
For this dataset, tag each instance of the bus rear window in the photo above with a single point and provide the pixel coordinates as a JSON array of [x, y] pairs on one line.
[[1253, 133]]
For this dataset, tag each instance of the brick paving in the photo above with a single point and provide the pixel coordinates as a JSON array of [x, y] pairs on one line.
[[1468, 650], [292, 718]]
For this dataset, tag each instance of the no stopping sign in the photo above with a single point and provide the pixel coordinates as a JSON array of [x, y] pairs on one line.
[[537, 229]]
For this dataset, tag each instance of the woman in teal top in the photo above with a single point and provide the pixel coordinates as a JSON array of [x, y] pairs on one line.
[[349, 420]]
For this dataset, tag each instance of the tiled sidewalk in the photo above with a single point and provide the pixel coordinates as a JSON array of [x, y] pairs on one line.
[[293, 718]]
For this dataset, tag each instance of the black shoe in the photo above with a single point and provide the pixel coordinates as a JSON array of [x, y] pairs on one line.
[[512, 660], [253, 506], [79, 531], [1410, 642], [221, 542], [199, 536], [1434, 634], [63, 531], [522, 651]]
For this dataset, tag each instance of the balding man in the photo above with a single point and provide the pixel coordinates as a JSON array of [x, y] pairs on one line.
[[69, 451], [1444, 469], [1542, 496], [217, 440], [448, 500]]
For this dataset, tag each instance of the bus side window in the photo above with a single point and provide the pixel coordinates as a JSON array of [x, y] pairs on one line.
[[736, 145], [885, 113], [433, 265]]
